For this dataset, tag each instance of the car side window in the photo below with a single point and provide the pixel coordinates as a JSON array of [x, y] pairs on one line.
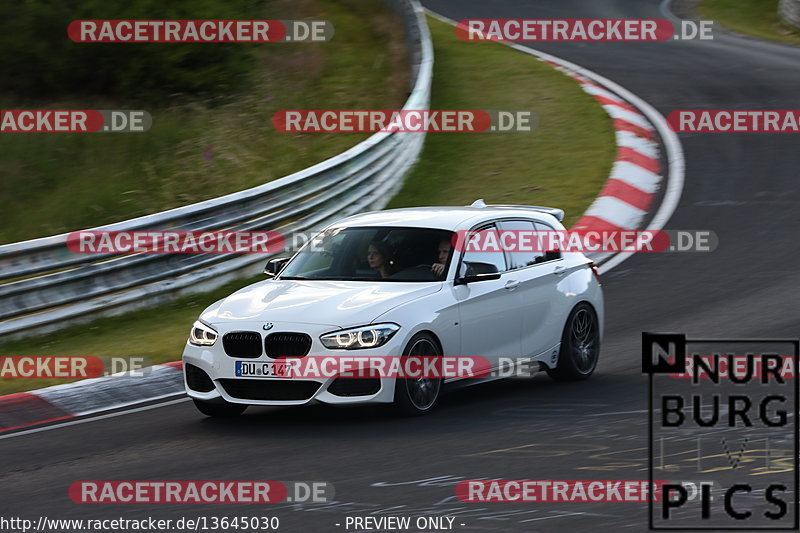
[[482, 262], [549, 255], [523, 234]]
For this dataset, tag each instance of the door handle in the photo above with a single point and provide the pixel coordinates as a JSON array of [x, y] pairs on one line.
[[512, 284], [560, 270]]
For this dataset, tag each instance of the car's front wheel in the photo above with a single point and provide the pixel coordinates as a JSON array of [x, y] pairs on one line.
[[220, 408], [580, 345], [418, 396]]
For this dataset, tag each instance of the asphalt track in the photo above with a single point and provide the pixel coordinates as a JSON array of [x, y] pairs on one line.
[[744, 187]]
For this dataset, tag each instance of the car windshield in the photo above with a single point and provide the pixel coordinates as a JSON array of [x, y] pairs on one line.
[[373, 254]]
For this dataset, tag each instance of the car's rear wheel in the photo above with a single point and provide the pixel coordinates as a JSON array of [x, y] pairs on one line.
[[418, 396], [580, 345], [220, 408]]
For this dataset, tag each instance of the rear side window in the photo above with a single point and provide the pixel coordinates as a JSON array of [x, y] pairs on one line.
[[483, 262], [523, 231], [551, 254]]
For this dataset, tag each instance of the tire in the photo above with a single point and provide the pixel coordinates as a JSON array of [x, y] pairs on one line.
[[418, 396], [220, 409], [580, 345]]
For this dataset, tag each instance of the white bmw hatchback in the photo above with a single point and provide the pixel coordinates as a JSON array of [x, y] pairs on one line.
[[389, 283]]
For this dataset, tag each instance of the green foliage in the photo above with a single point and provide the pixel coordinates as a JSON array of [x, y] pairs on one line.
[[39, 59]]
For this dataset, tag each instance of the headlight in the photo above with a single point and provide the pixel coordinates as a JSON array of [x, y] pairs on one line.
[[202, 335], [357, 338]]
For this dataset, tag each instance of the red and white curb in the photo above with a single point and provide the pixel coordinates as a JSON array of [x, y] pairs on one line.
[[635, 179], [623, 203], [89, 396]]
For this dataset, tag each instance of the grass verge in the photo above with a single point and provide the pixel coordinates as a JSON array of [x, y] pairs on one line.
[[564, 162], [757, 18], [199, 149]]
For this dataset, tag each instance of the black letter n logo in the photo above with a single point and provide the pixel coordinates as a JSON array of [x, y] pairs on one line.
[[663, 353]]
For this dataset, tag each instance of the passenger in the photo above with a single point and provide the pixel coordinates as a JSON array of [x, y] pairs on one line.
[[379, 258], [444, 253]]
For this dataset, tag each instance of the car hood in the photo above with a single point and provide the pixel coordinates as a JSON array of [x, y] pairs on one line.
[[336, 303]]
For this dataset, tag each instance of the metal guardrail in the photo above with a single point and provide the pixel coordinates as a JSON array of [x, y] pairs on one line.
[[44, 286]]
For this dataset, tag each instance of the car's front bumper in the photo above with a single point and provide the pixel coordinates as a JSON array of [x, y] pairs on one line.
[[221, 370]]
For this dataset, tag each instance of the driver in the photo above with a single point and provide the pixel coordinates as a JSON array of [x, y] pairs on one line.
[[444, 253]]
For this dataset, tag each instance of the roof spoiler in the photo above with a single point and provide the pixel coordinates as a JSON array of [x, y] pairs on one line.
[[558, 213]]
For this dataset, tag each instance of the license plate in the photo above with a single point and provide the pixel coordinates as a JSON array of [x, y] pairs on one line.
[[250, 369]]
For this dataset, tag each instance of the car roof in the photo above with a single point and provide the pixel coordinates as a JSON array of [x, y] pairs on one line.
[[449, 218]]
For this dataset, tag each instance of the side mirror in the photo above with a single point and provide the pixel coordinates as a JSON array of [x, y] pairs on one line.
[[274, 266], [475, 278]]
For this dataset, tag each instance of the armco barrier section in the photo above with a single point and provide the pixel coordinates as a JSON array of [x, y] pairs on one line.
[[44, 286]]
